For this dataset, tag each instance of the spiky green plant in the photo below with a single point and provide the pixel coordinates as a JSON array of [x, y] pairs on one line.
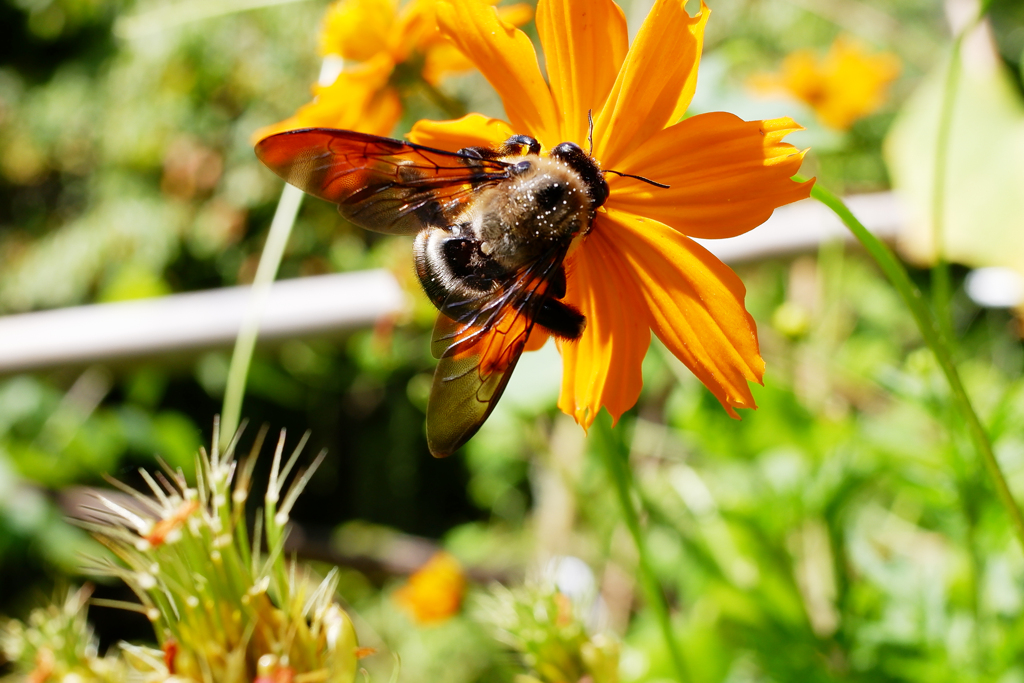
[[224, 610], [545, 627], [57, 643]]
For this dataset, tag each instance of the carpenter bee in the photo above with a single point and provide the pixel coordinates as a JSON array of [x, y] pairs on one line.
[[492, 228]]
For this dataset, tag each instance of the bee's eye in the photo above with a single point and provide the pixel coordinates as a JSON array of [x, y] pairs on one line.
[[548, 197], [519, 168]]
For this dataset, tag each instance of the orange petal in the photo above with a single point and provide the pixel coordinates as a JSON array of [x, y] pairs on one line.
[[381, 114], [538, 338], [655, 83], [357, 29], [416, 29], [443, 59], [726, 175], [603, 367], [472, 130], [696, 307], [359, 99], [584, 44], [690, 85], [506, 57], [517, 14]]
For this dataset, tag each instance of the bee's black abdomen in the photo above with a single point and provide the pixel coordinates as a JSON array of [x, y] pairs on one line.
[[448, 264], [561, 319], [468, 264], [460, 254]]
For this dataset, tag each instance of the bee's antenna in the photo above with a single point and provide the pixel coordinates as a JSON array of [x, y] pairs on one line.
[[590, 131], [640, 177], [590, 142]]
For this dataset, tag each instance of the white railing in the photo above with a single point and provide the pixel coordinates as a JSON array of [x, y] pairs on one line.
[[317, 305], [195, 320]]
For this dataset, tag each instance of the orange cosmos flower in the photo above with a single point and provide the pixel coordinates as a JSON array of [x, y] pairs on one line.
[[845, 85], [434, 592], [637, 270], [385, 51]]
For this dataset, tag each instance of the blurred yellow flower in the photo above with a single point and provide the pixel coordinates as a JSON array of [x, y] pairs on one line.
[[842, 87], [434, 592], [635, 270], [385, 51]]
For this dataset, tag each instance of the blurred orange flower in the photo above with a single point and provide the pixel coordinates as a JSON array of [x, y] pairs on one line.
[[637, 269], [385, 51], [842, 87], [434, 592]]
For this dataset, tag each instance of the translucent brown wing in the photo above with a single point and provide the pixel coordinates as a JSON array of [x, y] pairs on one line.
[[477, 343], [378, 183]]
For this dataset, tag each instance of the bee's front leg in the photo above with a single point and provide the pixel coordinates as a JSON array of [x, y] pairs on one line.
[[514, 146]]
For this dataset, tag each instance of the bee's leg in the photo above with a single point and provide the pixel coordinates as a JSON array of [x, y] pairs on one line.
[[479, 153], [512, 147], [561, 319], [556, 284], [515, 144]]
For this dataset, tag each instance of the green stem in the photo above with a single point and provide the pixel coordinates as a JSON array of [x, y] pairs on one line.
[[618, 471], [449, 105], [266, 271], [941, 289], [977, 572], [897, 274]]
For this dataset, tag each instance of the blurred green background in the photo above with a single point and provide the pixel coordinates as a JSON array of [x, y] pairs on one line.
[[843, 532]]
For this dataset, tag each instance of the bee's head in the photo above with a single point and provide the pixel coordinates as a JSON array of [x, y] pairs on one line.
[[573, 156], [592, 175]]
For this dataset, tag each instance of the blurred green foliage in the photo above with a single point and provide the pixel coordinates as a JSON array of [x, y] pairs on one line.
[[843, 532]]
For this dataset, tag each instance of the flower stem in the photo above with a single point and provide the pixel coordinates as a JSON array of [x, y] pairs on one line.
[[941, 289], [616, 460], [266, 271], [935, 339], [452, 107]]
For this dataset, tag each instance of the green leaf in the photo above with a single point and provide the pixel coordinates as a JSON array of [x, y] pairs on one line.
[[984, 205]]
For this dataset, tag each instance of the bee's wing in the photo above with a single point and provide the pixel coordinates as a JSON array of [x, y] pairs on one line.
[[464, 391], [477, 343], [378, 183]]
